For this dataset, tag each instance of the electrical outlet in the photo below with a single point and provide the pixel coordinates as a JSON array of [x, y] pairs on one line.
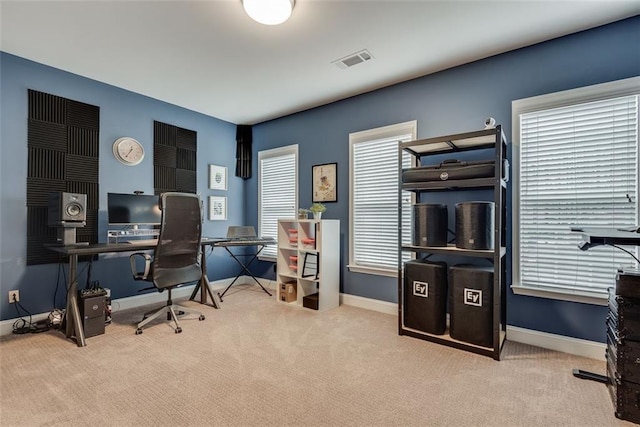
[[14, 296]]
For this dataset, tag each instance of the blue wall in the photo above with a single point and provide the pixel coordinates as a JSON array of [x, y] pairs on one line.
[[450, 101], [122, 113], [453, 101]]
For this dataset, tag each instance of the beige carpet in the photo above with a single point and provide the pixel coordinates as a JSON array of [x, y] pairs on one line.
[[256, 362]]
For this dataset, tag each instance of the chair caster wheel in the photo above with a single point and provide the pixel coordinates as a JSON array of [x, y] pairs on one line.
[[138, 331], [201, 317], [178, 330]]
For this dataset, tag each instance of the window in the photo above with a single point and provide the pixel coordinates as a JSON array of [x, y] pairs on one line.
[[575, 158], [373, 210], [277, 191]]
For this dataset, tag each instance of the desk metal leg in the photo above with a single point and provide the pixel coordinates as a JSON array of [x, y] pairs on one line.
[[244, 269], [584, 375], [74, 322], [203, 284]]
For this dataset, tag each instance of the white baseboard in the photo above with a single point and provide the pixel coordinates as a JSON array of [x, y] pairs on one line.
[[6, 326], [575, 346], [369, 304]]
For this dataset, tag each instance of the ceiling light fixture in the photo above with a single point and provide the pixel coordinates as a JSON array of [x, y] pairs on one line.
[[269, 12]]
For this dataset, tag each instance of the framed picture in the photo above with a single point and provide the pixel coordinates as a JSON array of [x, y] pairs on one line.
[[217, 177], [324, 179], [217, 208]]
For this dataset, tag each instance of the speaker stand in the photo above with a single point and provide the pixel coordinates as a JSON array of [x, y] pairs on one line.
[[66, 236]]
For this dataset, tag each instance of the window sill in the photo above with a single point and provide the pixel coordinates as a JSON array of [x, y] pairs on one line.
[[372, 270], [584, 298], [267, 258]]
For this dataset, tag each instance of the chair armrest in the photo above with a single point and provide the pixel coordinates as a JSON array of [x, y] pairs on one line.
[[140, 275]]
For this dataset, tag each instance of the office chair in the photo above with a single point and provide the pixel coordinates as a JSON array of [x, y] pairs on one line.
[[175, 260]]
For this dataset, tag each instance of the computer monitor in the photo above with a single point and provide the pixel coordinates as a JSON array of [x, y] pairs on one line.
[[132, 209]]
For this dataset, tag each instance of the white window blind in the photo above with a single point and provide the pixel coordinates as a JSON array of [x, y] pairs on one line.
[[278, 191], [374, 203], [578, 166]]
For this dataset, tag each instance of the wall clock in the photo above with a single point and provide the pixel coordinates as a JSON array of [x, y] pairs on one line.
[[128, 151]]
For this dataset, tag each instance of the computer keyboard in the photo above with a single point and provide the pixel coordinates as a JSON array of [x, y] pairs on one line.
[[143, 242]]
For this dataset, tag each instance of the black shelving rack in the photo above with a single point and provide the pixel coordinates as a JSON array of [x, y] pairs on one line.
[[493, 140]]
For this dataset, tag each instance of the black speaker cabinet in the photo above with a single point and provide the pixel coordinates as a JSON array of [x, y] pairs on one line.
[[67, 207], [475, 225], [430, 224], [425, 296], [472, 304]]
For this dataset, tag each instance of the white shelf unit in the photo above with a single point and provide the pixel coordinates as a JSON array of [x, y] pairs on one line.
[[495, 141], [319, 242]]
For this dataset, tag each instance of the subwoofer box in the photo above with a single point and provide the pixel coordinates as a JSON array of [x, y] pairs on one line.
[[471, 317], [425, 296]]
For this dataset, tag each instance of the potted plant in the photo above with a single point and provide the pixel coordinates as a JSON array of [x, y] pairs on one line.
[[303, 213], [317, 209]]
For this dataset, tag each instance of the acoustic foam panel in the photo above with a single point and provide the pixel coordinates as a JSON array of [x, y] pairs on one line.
[[63, 151]]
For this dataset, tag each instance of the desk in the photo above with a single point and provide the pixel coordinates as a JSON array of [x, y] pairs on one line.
[[606, 236], [74, 326], [73, 321]]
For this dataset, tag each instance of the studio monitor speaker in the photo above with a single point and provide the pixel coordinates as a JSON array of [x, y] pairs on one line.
[[67, 207]]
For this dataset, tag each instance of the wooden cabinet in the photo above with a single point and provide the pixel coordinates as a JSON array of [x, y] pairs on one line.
[[488, 145], [308, 263]]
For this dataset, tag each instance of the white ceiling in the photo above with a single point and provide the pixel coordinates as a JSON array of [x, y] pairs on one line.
[[208, 56]]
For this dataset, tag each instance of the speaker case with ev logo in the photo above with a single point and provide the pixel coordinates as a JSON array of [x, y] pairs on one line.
[[424, 302], [472, 304], [67, 207]]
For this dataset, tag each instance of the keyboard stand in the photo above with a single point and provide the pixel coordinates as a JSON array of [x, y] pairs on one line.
[[245, 267]]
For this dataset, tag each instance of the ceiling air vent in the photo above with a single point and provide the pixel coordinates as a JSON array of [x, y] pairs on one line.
[[353, 59]]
